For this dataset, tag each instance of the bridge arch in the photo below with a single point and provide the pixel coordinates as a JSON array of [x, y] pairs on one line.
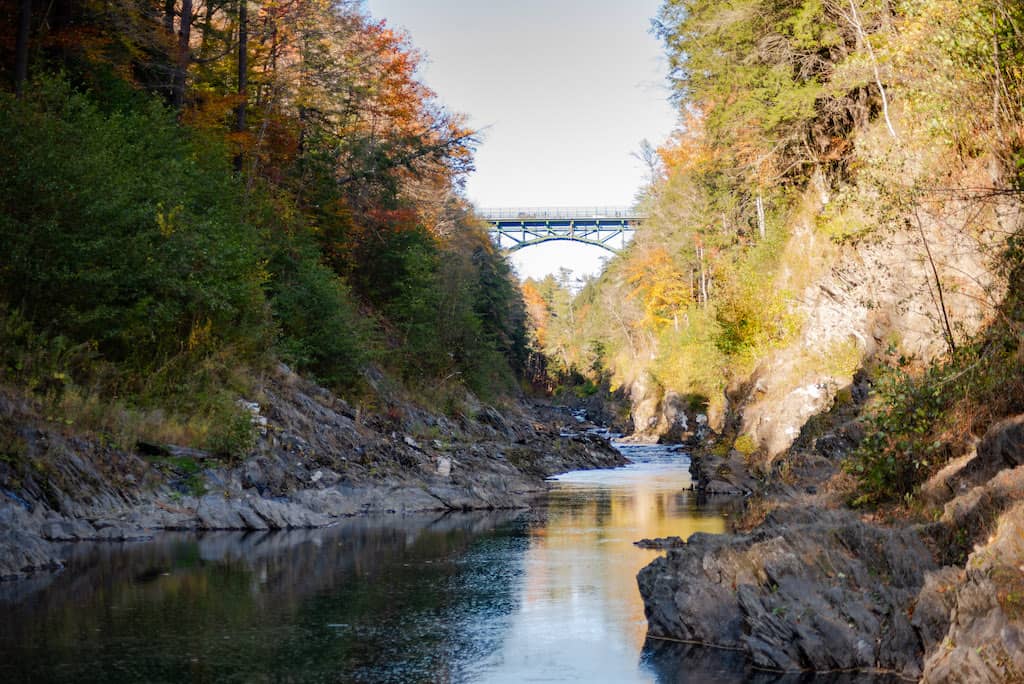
[[556, 238]]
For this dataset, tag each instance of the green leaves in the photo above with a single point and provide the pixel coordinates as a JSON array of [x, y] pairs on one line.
[[127, 233], [914, 418], [321, 330]]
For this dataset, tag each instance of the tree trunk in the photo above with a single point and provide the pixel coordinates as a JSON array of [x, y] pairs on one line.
[[207, 28], [859, 27], [243, 73], [705, 282], [169, 17], [184, 53], [703, 277], [21, 46], [760, 214]]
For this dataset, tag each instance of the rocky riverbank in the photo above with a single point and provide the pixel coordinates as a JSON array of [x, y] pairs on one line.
[[316, 460], [807, 584]]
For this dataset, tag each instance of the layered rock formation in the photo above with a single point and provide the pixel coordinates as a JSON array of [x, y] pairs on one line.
[[819, 588], [316, 461]]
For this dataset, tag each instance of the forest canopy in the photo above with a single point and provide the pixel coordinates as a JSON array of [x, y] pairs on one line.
[[195, 186]]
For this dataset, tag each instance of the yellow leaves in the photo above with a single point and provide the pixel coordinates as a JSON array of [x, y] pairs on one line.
[[166, 223], [200, 334], [659, 285], [537, 310]]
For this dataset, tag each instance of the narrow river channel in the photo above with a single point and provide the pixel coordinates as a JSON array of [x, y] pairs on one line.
[[542, 595]]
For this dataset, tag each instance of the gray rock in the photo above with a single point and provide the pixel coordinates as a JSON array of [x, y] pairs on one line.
[[801, 593], [444, 466], [217, 513], [117, 533], [318, 460], [285, 515], [985, 641], [22, 551], [1002, 447], [660, 543], [66, 529], [968, 518], [1004, 443], [934, 605]]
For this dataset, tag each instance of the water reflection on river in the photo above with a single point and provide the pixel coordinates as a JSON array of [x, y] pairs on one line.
[[580, 616], [544, 595]]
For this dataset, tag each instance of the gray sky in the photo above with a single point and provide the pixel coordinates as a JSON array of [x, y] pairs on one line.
[[566, 90]]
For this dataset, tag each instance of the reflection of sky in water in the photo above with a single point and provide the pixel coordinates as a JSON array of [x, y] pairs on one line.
[[542, 595], [581, 617]]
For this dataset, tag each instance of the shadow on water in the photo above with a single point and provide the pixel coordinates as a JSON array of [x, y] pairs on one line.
[[543, 595], [385, 599], [675, 663]]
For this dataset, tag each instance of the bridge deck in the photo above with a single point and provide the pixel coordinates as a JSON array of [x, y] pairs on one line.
[[559, 213]]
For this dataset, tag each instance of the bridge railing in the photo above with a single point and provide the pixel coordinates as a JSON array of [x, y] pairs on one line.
[[553, 213]]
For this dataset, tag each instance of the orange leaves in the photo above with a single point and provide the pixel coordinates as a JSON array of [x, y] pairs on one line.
[[210, 110], [687, 148], [395, 220], [537, 310], [661, 287]]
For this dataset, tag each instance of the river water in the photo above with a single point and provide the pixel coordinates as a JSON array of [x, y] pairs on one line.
[[546, 595]]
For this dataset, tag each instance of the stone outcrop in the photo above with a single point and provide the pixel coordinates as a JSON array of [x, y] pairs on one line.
[[849, 302], [818, 589], [316, 460], [985, 639], [802, 592], [873, 295]]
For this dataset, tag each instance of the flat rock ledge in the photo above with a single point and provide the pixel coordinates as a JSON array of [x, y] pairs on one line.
[[316, 462]]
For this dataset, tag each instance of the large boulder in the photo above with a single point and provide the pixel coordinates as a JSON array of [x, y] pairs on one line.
[[985, 641], [803, 592], [22, 549]]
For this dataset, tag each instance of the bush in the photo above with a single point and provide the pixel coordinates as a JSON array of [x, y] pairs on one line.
[[916, 421], [120, 231], [321, 330]]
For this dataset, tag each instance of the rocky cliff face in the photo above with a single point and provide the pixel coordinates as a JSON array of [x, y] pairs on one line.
[[820, 588], [851, 301], [316, 460], [876, 294]]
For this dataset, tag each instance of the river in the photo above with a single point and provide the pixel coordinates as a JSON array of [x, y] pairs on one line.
[[545, 595]]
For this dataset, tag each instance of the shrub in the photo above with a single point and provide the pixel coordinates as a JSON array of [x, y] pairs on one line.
[[120, 231], [321, 330], [916, 420], [745, 444]]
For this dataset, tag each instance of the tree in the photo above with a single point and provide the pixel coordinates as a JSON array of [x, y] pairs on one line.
[[184, 55], [243, 74], [21, 46]]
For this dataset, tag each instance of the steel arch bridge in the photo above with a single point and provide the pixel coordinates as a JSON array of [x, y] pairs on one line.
[[609, 228]]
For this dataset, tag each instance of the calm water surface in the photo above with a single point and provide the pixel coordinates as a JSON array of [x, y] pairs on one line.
[[547, 595]]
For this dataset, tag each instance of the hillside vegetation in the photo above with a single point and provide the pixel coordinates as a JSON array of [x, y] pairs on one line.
[[193, 192], [842, 194]]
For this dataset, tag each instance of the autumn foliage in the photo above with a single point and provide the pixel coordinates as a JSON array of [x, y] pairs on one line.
[[245, 181]]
